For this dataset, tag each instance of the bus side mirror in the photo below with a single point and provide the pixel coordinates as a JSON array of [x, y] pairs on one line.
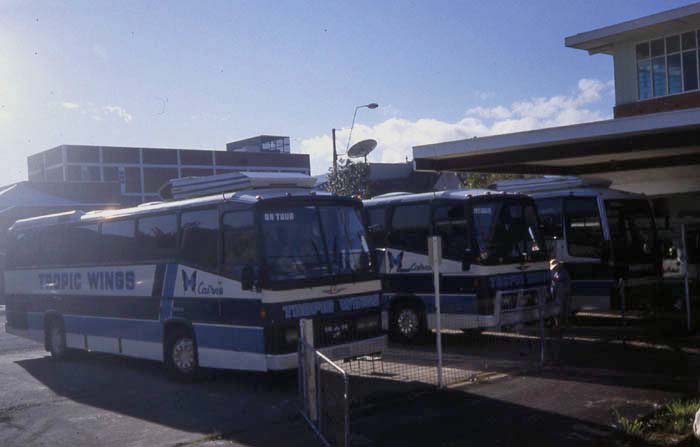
[[247, 278]]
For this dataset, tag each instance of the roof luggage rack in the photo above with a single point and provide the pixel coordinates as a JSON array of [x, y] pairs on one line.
[[189, 187], [547, 183], [49, 219]]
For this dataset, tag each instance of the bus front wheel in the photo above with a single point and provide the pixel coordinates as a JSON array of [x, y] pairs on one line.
[[408, 323], [56, 338], [181, 355]]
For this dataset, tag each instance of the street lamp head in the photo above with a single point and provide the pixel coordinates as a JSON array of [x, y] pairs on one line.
[[372, 105]]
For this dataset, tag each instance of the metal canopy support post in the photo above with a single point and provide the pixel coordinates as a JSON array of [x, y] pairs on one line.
[[686, 279], [435, 256], [309, 380]]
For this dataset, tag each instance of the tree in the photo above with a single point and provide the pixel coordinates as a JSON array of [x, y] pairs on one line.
[[351, 179], [483, 179]]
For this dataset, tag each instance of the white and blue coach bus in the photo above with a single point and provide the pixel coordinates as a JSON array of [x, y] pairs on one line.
[[603, 239], [494, 271], [219, 281]]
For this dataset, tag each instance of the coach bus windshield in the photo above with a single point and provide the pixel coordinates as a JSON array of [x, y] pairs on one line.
[[314, 241], [631, 229], [507, 231]]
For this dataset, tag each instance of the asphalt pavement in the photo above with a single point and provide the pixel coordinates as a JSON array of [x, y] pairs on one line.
[[96, 399]]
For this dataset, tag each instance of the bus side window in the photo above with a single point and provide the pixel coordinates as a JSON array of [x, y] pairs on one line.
[[584, 234], [550, 213], [157, 236], [410, 227], [451, 224], [376, 221], [25, 250], [199, 240], [240, 244], [53, 246], [86, 240], [118, 240]]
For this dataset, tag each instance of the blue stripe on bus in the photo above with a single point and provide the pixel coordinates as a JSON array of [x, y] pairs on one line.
[[245, 339], [449, 304], [142, 330], [169, 283]]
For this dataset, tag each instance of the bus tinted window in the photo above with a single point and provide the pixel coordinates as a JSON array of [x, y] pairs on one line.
[[86, 242], [410, 227], [157, 236], [376, 221], [550, 213], [200, 238], [451, 224], [239, 242], [25, 249], [53, 246], [118, 241], [584, 234]]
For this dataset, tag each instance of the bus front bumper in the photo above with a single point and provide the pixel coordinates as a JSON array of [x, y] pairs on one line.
[[506, 318], [337, 352]]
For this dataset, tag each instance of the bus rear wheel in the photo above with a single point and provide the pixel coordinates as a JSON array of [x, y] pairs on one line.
[[407, 323], [181, 356]]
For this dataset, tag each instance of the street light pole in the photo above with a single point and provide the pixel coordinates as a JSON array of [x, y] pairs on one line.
[[335, 154], [371, 106]]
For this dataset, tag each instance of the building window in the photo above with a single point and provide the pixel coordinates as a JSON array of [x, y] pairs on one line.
[[667, 66], [155, 178]]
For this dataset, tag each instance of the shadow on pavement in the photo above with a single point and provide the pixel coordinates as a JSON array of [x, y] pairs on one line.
[[250, 408], [456, 417]]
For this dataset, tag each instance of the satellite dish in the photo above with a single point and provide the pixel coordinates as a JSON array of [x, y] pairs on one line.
[[362, 148]]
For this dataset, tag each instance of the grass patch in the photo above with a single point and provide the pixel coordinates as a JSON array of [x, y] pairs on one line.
[[677, 416], [633, 428], [669, 425]]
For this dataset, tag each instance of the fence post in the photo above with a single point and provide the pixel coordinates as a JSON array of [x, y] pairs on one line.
[[310, 389], [435, 255], [542, 300], [686, 278], [623, 300]]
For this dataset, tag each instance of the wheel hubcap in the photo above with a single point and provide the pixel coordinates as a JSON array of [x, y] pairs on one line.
[[407, 322], [183, 354], [56, 340]]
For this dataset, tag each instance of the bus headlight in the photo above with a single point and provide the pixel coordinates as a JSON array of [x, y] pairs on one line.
[[291, 335], [367, 324]]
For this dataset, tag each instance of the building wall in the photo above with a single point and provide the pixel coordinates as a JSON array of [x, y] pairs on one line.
[[142, 171], [625, 65]]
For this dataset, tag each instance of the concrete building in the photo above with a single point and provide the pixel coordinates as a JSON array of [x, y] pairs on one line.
[[140, 172], [261, 143]]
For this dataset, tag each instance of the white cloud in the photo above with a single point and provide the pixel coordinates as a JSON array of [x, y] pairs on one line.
[[118, 111], [70, 105], [99, 51], [397, 136]]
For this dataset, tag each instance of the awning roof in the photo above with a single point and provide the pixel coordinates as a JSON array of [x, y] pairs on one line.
[[601, 40], [23, 195], [604, 148]]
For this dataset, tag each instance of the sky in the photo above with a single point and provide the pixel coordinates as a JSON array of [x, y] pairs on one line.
[[201, 74]]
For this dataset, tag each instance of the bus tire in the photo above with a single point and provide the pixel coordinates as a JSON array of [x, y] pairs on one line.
[[181, 359], [56, 339], [407, 322]]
